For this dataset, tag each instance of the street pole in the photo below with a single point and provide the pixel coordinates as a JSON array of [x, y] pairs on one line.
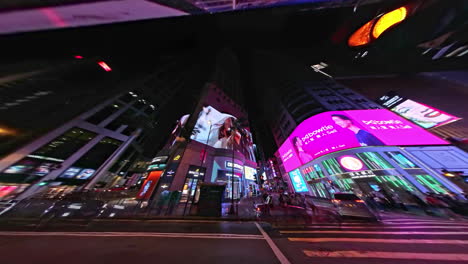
[[232, 179]]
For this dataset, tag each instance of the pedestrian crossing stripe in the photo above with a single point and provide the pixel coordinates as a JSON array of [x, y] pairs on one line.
[[378, 240], [387, 255], [422, 220], [388, 227], [372, 232], [426, 223]]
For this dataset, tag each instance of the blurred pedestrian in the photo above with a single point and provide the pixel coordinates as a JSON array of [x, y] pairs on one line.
[[396, 198], [420, 202]]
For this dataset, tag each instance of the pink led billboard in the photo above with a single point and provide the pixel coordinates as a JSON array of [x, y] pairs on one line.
[[338, 130]]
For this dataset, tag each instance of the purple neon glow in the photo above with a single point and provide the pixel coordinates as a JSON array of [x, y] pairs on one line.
[[320, 135]]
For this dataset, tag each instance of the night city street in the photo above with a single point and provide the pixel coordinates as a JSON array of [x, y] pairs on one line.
[[398, 238], [234, 131]]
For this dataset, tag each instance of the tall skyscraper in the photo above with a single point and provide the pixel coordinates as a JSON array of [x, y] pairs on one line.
[[75, 132]]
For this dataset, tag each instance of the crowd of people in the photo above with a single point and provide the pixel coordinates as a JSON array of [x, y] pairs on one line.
[[436, 204], [448, 204]]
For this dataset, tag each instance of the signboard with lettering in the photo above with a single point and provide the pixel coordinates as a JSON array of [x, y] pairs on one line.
[[339, 130]]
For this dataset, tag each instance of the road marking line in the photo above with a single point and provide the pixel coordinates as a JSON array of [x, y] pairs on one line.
[[389, 227], [373, 232], [387, 255], [279, 255], [378, 240], [428, 223], [164, 220], [422, 220], [134, 234], [410, 219]]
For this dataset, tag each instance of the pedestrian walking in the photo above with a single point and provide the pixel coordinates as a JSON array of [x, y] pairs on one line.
[[420, 202], [396, 198]]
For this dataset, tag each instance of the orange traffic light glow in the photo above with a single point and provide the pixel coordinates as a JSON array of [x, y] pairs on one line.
[[374, 28]]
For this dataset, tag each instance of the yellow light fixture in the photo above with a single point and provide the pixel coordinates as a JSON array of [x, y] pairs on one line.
[[362, 36], [388, 20], [374, 28]]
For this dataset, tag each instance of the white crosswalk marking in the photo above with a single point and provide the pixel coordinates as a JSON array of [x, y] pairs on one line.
[[386, 255], [378, 240], [390, 227], [399, 240]]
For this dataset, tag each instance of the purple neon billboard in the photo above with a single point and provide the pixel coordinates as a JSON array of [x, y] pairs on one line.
[[339, 130]]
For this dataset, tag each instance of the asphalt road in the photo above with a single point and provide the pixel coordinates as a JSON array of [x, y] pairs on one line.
[[398, 239]]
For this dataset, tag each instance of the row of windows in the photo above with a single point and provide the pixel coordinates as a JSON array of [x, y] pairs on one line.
[[339, 101], [65, 145], [104, 113], [360, 100], [131, 117]]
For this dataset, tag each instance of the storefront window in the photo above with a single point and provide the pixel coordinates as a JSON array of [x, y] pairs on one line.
[[189, 189], [226, 178], [401, 160], [312, 172], [319, 190], [374, 161], [332, 167], [431, 183]]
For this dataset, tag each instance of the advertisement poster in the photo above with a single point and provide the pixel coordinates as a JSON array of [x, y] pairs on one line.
[[221, 130], [85, 174], [250, 173], [148, 186], [297, 181], [423, 115], [339, 130], [70, 172]]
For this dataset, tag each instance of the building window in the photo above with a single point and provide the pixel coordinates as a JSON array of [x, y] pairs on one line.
[[104, 113], [94, 158], [139, 104], [126, 118], [65, 145], [127, 98]]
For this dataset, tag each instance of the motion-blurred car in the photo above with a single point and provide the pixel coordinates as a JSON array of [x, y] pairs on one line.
[[350, 205]]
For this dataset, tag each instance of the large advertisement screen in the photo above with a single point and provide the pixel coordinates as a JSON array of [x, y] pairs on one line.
[[421, 114], [221, 130], [148, 185], [297, 181], [338, 130]]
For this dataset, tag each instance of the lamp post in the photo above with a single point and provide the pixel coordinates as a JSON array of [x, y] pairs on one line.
[[231, 209]]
